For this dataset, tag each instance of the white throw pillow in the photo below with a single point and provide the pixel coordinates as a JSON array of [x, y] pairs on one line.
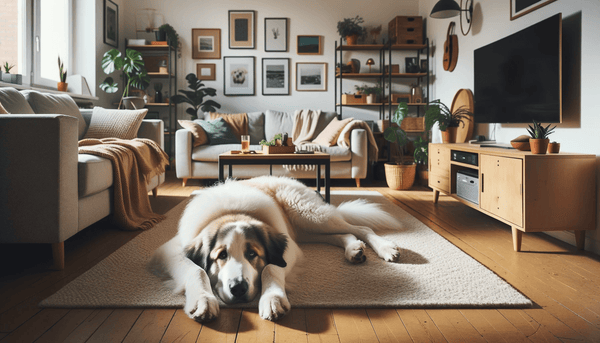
[[109, 123]]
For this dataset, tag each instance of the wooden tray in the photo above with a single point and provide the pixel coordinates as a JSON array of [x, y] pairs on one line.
[[269, 149]]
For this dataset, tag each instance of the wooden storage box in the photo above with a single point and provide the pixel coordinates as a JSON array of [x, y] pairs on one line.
[[400, 97], [271, 149], [395, 69], [406, 30], [415, 124], [353, 99]]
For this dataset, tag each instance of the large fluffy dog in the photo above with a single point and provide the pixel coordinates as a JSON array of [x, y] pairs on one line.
[[240, 238]]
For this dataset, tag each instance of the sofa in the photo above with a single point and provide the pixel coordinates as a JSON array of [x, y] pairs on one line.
[[201, 162], [49, 192]]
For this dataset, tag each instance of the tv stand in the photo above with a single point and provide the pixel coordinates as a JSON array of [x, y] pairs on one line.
[[531, 193]]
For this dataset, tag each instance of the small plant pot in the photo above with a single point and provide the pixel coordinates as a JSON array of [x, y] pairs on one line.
[[62, 86], [352, 39], [553, 148], [449, 136], [371, 98], [400, 176], [7, 77], [539, 146]]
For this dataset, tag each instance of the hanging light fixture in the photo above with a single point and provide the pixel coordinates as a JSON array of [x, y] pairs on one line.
[[449, 8]]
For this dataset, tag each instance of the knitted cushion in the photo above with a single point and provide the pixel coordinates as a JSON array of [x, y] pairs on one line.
[[109, 123]]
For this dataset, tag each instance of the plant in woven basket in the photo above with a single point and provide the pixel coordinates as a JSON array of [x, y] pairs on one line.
[[438, 112], [395, 134], [195, 97], [538, 131]]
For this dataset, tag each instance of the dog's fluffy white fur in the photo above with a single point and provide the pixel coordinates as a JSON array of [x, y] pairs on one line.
[[240, 237]]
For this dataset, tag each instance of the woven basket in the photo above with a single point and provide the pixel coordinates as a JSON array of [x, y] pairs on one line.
[[400, 177]]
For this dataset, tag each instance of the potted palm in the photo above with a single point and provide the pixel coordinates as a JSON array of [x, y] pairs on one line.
[[133, 72], [448, 121], [350, 29], [195, 97], [399, 175], [539, 137]]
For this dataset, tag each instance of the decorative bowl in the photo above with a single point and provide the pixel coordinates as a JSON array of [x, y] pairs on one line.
[[522, 146]]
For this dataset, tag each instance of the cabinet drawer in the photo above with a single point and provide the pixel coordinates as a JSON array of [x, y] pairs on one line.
[[440, 182], [439, 161]]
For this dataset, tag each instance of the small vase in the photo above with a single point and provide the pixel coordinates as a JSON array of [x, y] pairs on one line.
[[352, 39], [158, 97], [553, 148], [449, 136], [371, 99], [62, 86], [539, 146]]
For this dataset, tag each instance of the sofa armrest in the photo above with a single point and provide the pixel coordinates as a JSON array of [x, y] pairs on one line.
[[38, 178], [360, 153], [153, 129], [183, 153]]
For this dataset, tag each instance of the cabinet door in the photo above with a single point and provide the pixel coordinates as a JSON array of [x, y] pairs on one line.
[[501, 187]]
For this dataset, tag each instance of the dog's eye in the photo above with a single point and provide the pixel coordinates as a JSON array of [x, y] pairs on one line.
[[222, 255], [252, 254]]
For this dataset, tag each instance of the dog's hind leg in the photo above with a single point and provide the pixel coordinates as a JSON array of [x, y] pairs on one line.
[[355, 248]]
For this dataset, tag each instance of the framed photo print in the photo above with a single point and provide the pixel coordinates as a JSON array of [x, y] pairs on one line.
[[206, 71], [519, 8], [311, 76], [276, 34], [276, 76], [206, 44], [411, 65], [238, 75], [241, 30], [309, 45], [111, 23]]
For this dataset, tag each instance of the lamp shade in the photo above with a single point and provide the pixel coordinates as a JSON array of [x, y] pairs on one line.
[[370, 62], [445, 9]]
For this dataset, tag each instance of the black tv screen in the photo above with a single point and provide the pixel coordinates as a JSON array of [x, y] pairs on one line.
[[518, 78]]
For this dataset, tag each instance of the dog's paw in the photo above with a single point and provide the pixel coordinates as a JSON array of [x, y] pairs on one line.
[[355, 252], [201, 308], [273, 306], [389, 251]]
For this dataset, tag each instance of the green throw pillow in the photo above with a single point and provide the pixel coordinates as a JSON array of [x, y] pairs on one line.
[[218, 131]]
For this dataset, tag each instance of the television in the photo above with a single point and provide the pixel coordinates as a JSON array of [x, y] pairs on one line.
[[518, 78]]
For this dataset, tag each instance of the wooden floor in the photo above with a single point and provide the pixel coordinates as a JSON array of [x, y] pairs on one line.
[[563, 283]]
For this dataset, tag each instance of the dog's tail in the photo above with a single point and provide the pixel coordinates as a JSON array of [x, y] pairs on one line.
[[364, 213]]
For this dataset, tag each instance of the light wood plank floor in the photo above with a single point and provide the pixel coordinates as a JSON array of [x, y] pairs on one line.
[[563, 283]]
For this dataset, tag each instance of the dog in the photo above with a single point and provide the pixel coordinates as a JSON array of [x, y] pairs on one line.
[[240, 238], [239, 75]]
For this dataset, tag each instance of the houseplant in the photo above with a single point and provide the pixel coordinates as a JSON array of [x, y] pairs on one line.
[[448, 121], [539, 137], [195, 97], [371, 92], [422, 158], [6, 77], [133, 72], [350, 29], [401, 174], [62, 74], [170, 34]]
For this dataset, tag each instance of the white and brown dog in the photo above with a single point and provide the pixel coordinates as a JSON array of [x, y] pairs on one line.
[[240, 238]]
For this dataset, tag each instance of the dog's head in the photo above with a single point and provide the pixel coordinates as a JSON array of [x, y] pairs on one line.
[[239, 75], [233, 250]]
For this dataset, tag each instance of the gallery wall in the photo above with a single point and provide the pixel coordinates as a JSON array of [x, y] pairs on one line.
[[581, 50]]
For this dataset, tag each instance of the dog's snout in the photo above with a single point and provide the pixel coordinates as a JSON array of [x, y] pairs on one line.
[[238, 288]]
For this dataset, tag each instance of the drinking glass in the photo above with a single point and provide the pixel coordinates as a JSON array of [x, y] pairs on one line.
[[245, 143]]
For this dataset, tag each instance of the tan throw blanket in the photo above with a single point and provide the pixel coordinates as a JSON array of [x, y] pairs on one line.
[[303, 132], [135, 162], [344, 138]]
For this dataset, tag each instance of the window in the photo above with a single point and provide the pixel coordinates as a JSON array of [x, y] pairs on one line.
[[11, 35], [51, 39]]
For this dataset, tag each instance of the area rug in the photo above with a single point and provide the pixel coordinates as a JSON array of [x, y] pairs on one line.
[[432, 273]]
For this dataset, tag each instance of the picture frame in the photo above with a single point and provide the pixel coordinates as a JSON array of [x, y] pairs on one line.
[[206, 44], [519, 8], [411, 65], [311, 76], [206, 71], [276, 34], [111, 24], [424, 66], [309, 45], [242, 32], [239, 76], [275, 76]]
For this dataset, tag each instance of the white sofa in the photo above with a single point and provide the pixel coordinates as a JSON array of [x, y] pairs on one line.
[[49, 192], [202, 162]]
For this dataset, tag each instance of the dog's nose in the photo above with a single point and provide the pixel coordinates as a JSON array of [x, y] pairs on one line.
[[238, 288]]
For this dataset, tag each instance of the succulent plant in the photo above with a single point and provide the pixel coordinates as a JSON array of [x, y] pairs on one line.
[[62, 71], [7, 67], [538, 131]]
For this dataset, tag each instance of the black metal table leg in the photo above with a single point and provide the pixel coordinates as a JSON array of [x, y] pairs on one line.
[[327, 181], [318, 178], [221, 172], [230, 176]]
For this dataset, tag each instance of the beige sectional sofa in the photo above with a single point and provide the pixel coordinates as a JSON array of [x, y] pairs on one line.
[[49, 192], [202, 162]]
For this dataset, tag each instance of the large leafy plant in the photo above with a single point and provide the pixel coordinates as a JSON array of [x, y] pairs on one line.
[[438, 112], [351, 26], [538, 131], [395, 134], [132, 67], [195, 97]]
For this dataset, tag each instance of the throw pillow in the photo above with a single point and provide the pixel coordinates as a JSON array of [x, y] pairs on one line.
[[218, 132], [329, 135], [199, 136], [46, 103], [2, 110], [238, 122], [14, 102], [108, 123]]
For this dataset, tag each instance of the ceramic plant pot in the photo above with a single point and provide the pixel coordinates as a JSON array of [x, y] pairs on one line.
[[400, 177], [539, 146], [133, 102], [449, 136], [371, 98], [352, 39], [62, 86], [553, 148]]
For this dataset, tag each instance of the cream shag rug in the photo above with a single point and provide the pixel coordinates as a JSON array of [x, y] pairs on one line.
[[433, 273]]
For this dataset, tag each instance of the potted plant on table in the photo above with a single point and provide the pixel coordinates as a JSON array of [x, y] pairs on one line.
[[195, 97], [133, 72], [62, 74], [448, 121], [6, 76], [401, 174], [372, 93], [350, 29], [539, 137]]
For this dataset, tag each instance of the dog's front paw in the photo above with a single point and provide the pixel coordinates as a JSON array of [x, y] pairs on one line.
[[273, 306], [200, 307], [389, 251], [355, 252]]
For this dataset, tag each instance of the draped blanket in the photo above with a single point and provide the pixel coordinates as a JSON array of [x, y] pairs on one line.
[[303, 132], [344, 138], [135, 162]]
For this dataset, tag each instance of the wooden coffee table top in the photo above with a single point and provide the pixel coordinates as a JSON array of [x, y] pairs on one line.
[[259, 155]]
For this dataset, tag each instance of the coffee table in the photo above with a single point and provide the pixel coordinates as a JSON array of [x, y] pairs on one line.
[[318, 159]]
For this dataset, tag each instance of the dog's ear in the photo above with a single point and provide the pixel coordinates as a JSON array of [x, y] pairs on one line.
[[196, 253], [276, 245]]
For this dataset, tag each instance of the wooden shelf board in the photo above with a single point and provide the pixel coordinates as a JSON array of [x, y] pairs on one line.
[[157, 74], [148, 47], [159, 104], [408, 75], [414, 131], [358, 75], [362, 104], [408, 46], [360, 47]]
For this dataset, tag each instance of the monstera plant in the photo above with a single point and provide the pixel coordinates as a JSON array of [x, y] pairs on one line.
[[195, 97], [133, 72]]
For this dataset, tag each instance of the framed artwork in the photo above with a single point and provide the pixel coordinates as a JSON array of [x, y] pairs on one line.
[[206, 44], [424, 66], [519, 8], [311, 76], [276, 34], [111, 23], [309, 45], [238, 75], [241, 29], [276, 76], [411, 65], [206, 71]]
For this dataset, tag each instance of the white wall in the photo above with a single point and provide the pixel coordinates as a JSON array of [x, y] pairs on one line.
[[311, 17], [579, 132]]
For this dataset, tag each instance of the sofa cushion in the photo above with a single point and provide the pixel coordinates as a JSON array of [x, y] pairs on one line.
[[14, 102], [256, 127], [199, 136], [324, 120], [210, 153], [278, 122], [238, 122], [218, 132], [109, 123], [3, 110], [328, 137], [94, 174], [46, 103]]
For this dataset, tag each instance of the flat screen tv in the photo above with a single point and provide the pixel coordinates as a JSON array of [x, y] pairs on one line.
[[518, 78]]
